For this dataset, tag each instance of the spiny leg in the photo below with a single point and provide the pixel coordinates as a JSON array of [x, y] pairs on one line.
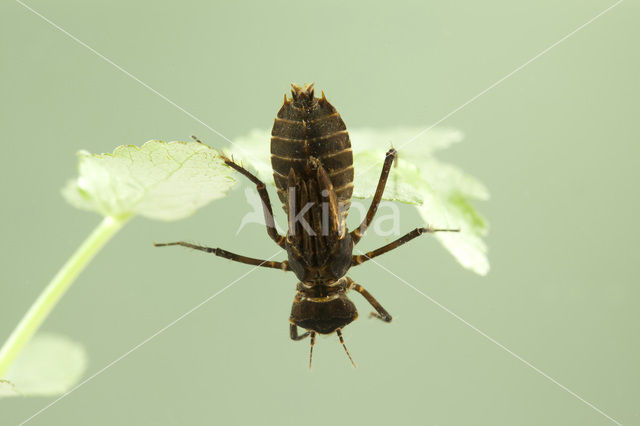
[[360, 258], [339, 333], [231, 256], [293, 333], [264, 196], [313, 342], [357, 233], [381, 313]]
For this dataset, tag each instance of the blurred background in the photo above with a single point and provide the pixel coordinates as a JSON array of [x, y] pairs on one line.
[[555, 143]]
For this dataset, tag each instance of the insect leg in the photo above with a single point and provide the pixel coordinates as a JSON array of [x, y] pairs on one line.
[[357, 233], [266, 201], [231, 256], [360, 258], [293, 333], [381, 313]]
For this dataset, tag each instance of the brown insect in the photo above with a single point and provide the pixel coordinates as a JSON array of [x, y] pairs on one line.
[[313, 170]]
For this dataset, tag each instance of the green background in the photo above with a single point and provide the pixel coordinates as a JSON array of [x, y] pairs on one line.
[[556, 143]]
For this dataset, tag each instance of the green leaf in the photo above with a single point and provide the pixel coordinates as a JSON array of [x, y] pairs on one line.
[[441, 192], [159, 180], [49, 365]]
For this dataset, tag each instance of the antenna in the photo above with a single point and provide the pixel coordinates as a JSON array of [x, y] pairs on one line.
[[313, 342], [339, 333]]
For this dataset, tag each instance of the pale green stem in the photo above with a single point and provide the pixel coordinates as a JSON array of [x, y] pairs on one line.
[[56, 289]]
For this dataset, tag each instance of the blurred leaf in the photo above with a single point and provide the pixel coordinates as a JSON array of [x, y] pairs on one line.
[[414, 142], [253, 151], [7, 389], [159, 180], [48, 365], [405, 183], [451, 209], [447, 179], [441, 192]]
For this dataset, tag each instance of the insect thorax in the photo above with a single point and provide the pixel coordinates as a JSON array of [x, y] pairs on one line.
[[323, 308]]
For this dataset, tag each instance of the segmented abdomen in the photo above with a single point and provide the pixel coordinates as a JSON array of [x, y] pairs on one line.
[[306, 128]]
